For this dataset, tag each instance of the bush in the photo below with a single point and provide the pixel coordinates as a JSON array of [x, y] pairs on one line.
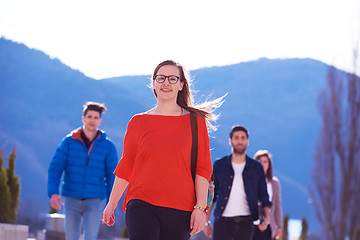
[[124, 232], [9, 188]]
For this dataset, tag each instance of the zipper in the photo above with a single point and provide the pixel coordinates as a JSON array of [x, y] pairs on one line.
[[87, 162], [92, 144]]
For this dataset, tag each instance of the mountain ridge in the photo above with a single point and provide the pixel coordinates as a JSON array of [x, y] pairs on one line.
[[41, 99]]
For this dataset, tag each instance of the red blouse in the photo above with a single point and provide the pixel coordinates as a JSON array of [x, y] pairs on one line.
[[156, 160]]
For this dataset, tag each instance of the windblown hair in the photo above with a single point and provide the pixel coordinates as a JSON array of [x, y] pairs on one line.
[[94, 106], [186, 100], [267, 154]]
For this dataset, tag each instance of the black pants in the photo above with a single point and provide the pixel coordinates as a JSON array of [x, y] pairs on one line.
[[148, 222], [233, 228], [259, 235]]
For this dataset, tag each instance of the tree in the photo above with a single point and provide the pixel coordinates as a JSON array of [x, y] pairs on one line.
[[9, 188], [336, 171], [285, 235], [14, 186], [52, 210], [124, 232], [4, 191], [304, 229], [356, 235]]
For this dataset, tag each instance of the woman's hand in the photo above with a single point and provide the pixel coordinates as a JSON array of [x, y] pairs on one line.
[[119, 186], [197, 222], [208, 230], [278, 234], [108, 216]]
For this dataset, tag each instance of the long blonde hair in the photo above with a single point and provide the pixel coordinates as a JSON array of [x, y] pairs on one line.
[[186, 100]]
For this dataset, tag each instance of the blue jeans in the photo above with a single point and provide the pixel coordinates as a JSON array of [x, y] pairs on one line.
[[88, 212]]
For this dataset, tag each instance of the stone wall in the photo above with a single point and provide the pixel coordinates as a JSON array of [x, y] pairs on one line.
[[13, 231]]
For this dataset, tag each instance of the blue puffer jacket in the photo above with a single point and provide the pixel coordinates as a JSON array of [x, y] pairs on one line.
[[88, 173]]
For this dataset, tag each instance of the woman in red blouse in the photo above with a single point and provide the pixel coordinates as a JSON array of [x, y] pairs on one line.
[[161, 201]]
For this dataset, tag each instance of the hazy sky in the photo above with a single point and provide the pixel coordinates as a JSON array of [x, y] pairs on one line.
[[115, 38]]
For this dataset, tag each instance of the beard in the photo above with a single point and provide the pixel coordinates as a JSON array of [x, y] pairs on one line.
[[239, 150]]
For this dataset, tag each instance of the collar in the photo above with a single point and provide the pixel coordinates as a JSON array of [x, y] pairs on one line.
[[228, 160], [76, 134]]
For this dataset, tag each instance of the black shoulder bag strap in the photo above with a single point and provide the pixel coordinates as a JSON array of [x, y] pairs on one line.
[[194, 146]]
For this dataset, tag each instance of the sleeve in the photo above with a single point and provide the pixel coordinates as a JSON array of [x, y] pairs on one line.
[[111, 162], [125, 166], [277, 202], [204, 166], [264, 196], [56, 167]]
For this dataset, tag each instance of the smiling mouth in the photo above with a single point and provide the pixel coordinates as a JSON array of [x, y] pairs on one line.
[[166, 90]]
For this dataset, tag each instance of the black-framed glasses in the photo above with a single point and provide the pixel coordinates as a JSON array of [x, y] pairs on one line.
[[172, 78]]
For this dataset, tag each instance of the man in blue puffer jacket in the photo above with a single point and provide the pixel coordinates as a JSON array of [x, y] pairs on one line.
[[87, 158]]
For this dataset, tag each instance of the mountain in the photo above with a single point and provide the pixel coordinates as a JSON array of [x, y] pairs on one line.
[[41, 101], [277, 101]]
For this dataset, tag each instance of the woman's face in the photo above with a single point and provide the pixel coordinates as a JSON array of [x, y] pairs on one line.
[[264, 162], [167, 90]]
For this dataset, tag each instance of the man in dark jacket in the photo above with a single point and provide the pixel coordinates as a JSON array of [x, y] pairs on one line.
[[239, 186], [87, 158]]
